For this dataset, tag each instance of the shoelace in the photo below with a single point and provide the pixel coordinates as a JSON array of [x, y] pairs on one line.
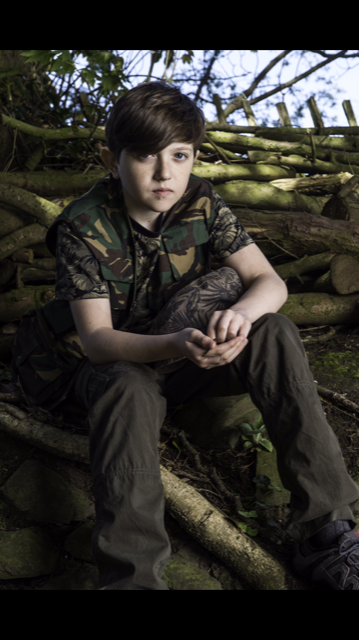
[[354, 548]]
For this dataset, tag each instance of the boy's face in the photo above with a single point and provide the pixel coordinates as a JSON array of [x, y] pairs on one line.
[[152, 183]]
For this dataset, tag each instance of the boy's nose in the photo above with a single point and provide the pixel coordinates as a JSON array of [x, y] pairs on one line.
[[162, 170]]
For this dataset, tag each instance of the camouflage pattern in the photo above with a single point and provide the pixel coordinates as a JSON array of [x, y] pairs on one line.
[[100, 222]]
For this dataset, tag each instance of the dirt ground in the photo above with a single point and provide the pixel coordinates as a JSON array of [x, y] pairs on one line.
[[334, 364]]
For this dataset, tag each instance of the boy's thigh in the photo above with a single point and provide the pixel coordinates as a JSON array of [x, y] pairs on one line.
[[192, 382], [93, 380]]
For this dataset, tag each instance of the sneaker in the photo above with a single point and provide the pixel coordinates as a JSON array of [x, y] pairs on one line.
[[335, 567]]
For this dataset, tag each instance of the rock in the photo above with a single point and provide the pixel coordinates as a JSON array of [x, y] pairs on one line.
[[214, 422], [267, 466], [26, 553], [183, 574], [82, 578], [79, 542], [44, 496]]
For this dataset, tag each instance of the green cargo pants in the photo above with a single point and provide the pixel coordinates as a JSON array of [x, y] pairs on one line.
[[127, 404]]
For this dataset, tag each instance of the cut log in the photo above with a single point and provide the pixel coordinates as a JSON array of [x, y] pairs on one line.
[[342, 277], [302, 165], [313, 184], [345, 206], [222, 172], [45, 263], [53, 183], [321, 308], [43, 210], [256, 195], [299, 234], [195, 514], [21, 238], [15, 303], [304, 265]]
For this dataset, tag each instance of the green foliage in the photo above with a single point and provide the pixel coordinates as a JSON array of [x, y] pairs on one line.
[[266, 483], [252, 435]]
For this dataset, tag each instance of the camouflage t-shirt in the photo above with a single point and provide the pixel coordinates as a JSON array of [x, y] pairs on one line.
[[78, 274]]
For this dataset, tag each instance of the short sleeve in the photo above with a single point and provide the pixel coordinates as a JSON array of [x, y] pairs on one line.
[[227, 235], [77, 270]]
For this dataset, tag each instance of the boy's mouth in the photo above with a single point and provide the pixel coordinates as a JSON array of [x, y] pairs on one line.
[[162, 192]]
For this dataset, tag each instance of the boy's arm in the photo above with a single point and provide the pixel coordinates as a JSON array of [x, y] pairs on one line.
[[103, 344]]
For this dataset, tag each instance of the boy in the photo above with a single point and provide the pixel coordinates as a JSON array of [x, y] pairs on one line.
[[123, 250]]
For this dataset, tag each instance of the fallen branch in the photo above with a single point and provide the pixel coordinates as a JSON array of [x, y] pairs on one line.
[[261, 195], [53, 183], [339, 399], [217, 173], [299, 233], [193, 512], [320, 308], [21, 238], [43, 210], [67, 133], [302, 165], [311, 185]]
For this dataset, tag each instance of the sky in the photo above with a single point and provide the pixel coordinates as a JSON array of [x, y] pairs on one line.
[[344, 87]]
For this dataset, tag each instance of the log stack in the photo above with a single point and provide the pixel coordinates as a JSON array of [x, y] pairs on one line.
[[296, 191]]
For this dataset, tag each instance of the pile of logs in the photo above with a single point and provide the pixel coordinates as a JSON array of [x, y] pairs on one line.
[[296, 191]]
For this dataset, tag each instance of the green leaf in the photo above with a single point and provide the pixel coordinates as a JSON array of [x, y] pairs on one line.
[[248, 514], [275, 488], [251, 531], [247, 445], [242, 526], [266, 444], [259, 423], [176, 445]]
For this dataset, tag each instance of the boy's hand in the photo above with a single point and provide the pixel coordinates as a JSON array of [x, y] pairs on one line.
[[225, 325], [201, 350]]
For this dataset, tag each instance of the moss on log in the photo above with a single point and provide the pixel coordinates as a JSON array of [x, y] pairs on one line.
[[311, 185], [43, 210], [321, 308], [299, 234], [304, 265], [53, 183], [347, 143], [345, 206], [11, 220], [13, 304], [256, 195], [301, 164], [221, 173], [342, 278], [21, 238]]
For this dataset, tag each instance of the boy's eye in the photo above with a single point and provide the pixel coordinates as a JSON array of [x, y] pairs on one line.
[[181, 154]]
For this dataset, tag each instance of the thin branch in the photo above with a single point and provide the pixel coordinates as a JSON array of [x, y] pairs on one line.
[[265, 71], [206, 74], [237, 102]]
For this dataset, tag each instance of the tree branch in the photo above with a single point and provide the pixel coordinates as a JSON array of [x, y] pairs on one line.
[[265, 71], [237, 102], [206, 74], [66, 133]]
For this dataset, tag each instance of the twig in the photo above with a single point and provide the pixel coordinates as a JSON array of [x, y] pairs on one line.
[[218, 150], [339, 399], [327, 336]]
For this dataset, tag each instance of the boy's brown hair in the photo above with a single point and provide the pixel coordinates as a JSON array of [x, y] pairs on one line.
[[152, 116]]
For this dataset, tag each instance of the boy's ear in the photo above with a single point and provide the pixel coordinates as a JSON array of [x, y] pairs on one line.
[[110, 161]]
